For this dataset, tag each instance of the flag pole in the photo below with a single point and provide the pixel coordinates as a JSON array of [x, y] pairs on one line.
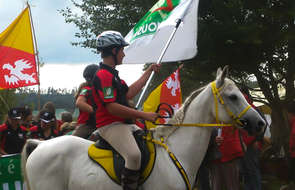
[[36, 55], [178, 21]]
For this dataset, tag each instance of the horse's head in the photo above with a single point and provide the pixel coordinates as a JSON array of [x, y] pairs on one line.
[[232, 107]]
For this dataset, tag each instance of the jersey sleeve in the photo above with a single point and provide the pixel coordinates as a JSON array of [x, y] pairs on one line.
[[83, 92]]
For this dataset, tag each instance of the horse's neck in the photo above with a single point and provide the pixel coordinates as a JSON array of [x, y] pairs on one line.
[[190, 144]]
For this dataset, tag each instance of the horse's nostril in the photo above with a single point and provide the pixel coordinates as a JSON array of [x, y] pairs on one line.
[[244, 122], [260, 125]]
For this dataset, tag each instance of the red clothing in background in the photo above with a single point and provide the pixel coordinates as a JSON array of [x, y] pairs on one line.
[[231, 147]]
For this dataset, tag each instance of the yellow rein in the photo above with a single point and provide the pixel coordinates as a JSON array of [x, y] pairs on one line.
[[173, 158]]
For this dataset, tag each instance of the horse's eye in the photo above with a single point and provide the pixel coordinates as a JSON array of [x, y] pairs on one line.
[[233, 97]]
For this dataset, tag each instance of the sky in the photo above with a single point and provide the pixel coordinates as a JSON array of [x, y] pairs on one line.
[[64, 63]]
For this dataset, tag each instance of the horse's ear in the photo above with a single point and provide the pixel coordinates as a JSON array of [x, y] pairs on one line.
[[221, 74]]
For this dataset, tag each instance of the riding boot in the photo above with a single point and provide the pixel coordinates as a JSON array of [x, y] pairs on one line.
[[129, 179]]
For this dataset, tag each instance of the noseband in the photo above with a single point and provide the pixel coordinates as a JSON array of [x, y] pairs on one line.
[[217, 97]]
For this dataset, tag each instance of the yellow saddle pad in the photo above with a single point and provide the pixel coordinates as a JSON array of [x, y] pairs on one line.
[[104, 158]]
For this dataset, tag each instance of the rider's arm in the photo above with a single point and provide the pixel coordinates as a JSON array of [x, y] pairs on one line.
[[129, 113], [82, 104], [137, 85]]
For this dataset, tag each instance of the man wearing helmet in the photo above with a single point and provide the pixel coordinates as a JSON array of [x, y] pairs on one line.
[[113, 112], [85, 103]]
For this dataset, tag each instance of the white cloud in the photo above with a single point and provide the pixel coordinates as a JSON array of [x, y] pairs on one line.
[[70, 75], [64, 64], [54, 36]]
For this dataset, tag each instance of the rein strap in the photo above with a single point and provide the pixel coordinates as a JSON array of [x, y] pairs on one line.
[[173, 158]]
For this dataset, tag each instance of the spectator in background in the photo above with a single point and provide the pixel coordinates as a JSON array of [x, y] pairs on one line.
[[27, 117], [224, 171], [66, 117], [67, 128], [202, 181], [47, 127], [86, 105], [12, 135], [250, 168], [51, 108]]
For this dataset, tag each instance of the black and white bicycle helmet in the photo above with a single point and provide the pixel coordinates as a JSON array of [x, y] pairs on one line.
[[110, 39]]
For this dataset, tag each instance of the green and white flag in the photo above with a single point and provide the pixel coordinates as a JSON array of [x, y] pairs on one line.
[[10, 172], [150, 35]]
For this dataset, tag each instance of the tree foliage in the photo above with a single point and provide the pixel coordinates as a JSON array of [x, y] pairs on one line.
[[100, 15], [256, 38], [7, 101], [62, 98]]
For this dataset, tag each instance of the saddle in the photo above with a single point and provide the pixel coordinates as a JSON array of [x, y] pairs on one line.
[[113, 163]]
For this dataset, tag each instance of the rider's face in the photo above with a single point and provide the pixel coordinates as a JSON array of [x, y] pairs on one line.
[[120, 55]]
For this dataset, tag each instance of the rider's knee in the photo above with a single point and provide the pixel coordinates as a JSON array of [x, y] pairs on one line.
[[134, 156]]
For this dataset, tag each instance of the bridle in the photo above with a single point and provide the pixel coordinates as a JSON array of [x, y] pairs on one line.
[[217, 98]]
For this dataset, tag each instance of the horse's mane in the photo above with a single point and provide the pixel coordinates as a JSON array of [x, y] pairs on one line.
[[178, 117]]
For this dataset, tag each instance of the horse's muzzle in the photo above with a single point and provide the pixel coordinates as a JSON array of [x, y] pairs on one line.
[[253, 127]]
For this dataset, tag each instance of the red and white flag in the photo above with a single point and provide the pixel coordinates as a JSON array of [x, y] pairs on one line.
[[168, 92], [17, 54]]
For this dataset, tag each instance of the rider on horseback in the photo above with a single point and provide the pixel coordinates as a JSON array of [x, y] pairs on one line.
[[113, 114], [86, 104]]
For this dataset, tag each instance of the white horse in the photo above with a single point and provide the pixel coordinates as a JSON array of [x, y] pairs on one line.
[[63, 163]]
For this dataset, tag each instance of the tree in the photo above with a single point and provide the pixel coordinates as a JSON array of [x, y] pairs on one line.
[[7, 100], [101, 15], [256, 38]]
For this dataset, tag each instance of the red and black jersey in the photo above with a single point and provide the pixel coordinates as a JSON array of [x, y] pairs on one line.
[[36, 132], [12, 141], [107, 88], [85, 117]]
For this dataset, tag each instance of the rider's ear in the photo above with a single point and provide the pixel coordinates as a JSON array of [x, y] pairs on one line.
[[221, 74]]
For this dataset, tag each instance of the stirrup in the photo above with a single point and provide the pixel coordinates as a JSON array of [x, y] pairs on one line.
[[129, 179]]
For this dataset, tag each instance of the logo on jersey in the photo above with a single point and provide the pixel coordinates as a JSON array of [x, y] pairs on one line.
[[108, 92], [83, 92]]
